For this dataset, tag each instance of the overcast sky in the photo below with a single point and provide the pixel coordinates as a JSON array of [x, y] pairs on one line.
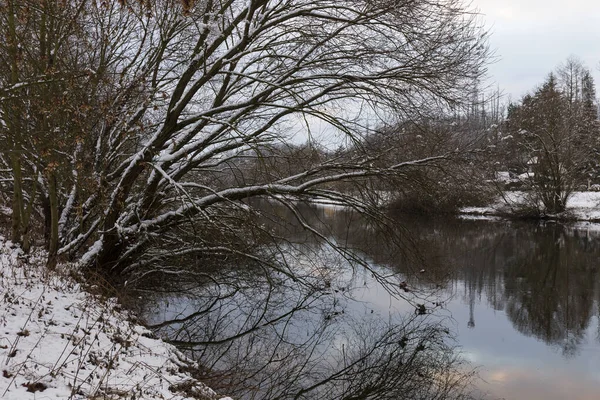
[[532, 37]]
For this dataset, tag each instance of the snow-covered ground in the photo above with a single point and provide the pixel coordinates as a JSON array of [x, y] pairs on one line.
[[581, 206], [59, 342], [585, 206]]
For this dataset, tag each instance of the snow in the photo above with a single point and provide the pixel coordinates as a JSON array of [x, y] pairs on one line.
[[483, 217], [503, 176], [92, 251], [584, 206], [59, 342], [526, 176], [584, 200], [581, 206]]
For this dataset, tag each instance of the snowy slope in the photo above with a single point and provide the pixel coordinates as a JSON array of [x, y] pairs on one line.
[[58, 342]]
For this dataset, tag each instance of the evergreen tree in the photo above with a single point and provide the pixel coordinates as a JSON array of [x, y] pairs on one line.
[[554, 135], [590, 128], [542, 127]]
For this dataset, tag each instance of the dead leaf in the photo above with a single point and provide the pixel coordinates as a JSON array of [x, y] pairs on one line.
[[35, 387]]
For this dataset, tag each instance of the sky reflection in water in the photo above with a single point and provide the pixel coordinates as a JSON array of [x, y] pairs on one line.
[[523, 299]]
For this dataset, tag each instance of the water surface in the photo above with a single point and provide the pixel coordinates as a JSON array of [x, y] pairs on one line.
[[521, 298]]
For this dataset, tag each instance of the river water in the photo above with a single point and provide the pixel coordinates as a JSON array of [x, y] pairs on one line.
[[522, 300], [525, 301]]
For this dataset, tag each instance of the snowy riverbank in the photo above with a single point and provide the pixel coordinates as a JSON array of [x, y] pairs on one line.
[[59, 342], [581, 206]]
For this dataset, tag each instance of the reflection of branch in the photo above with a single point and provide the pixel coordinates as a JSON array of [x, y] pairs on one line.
[[346, 253], [254, 328]]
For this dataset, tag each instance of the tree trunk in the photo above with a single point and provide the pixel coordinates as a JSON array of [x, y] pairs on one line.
[[17, 203], [27, 216], [53, 242]]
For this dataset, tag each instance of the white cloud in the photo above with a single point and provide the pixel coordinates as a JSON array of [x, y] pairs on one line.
[[532, 37]]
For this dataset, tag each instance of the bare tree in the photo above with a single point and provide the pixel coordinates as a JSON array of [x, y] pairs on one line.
[[556, 130], [135, 129], [173, 93]]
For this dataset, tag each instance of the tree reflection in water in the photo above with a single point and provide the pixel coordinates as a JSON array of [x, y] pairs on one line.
[[543, 276], [549, 289], [309, 323], [296, 324]]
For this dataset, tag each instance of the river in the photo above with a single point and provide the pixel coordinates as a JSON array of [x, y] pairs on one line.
[[520, 300]]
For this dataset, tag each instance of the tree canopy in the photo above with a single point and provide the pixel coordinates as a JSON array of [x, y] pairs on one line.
[[122, 122], [556, 132]]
